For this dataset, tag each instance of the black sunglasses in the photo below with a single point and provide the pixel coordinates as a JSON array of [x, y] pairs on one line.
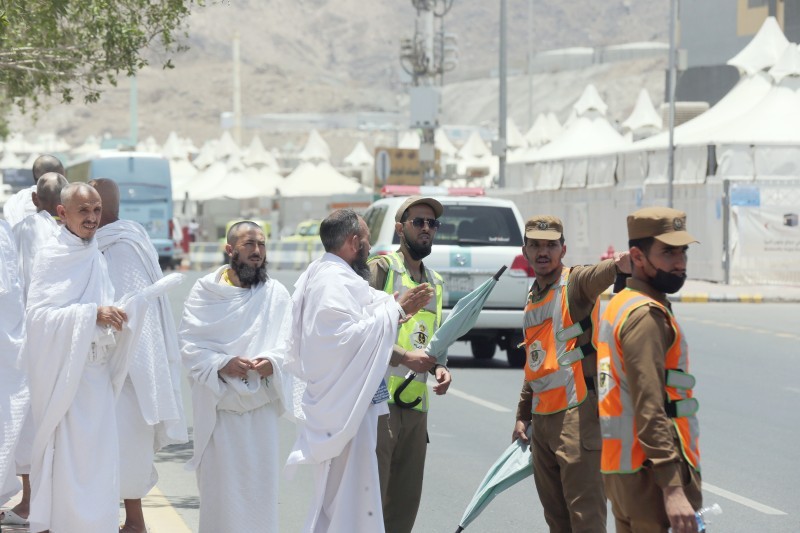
[[420, 222]]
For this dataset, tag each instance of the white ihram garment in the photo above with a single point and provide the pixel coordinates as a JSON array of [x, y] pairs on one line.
[[236, 422], [75, 368], [19, 206], [343, 333], [30, 235], [14, 398], [154, 371]]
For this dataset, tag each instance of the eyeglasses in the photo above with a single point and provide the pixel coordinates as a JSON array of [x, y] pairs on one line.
[[420, 222]]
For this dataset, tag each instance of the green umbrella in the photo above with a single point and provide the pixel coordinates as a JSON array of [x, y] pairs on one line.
[[458, 323], [513, 466]]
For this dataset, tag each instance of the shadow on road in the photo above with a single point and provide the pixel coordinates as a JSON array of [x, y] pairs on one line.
[[467, 361]]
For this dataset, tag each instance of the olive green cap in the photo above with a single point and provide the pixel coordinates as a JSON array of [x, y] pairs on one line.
[[662, 223]]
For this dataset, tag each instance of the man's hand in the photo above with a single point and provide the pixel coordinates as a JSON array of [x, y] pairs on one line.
[[237, 367], [418, 361], [679, 511], [415, 298], [264, 367], [443, 379], [622, 260], [111, 316], [520, 431]]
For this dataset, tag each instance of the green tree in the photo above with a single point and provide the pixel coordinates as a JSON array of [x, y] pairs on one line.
[[60, 47]]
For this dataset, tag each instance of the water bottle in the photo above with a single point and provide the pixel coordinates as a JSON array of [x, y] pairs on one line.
[[703, 516]]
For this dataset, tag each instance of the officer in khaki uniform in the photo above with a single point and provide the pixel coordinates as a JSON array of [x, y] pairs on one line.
[[558, 393], [651, 457], [403, 433]]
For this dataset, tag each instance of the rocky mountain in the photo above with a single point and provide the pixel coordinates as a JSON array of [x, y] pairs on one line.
[[342, 55]]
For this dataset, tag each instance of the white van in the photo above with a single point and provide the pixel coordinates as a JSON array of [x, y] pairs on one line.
[[478, 235]]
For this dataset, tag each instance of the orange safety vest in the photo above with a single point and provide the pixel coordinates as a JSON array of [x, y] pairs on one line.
[[622, 452], [553, 361]]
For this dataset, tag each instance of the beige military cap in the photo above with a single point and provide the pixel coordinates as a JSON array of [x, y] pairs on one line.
[[663, 223], [416, 200], [546, 227]]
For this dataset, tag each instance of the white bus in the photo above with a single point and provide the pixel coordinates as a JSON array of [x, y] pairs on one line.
[[145, 189]]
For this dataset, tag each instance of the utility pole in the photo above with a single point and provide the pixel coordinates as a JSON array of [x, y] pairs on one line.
[[672, 75], [499, 147], [133, 111], [530, 64], [237, 91], [428, 54]]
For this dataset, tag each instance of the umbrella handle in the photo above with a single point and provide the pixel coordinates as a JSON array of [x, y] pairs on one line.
[[399, 390], [500, 273]]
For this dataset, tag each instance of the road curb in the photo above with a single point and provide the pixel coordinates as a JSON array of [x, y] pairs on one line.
[[703, 297]]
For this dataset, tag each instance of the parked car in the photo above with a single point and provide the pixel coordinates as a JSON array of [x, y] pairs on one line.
[[478, 235]]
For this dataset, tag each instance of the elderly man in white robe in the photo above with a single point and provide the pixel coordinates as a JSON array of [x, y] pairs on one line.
[[343, 333], [13, 386], [234, 335], [30, 235], [21, 204], [76, 364], [149, 408]]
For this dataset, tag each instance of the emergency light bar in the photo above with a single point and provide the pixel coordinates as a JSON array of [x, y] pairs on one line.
[[426, 190]]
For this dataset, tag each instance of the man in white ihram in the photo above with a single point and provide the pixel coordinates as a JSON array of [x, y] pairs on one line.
[[30, 235], [76, 363], [14, 396], [343, 332], [234, 336], [21, 205], [149, 407]]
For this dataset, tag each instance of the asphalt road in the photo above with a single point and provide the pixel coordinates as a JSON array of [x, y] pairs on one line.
[[744, 357]]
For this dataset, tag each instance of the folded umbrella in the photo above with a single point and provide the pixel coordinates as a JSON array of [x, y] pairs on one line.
[[458, 323], [514, 465]]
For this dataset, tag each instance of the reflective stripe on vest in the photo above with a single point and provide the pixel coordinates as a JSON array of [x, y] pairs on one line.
[[417, 332], [622, 453], [553, 359]]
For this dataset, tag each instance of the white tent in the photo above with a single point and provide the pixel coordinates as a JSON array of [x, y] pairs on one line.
[[207, 155], [16, 143], [321, 179], [316, 149], [89, 146], [541, 132], [443, 144], [743, 97], [590, 101], [474, 148], [173, 147], [231, 179], [514, 138], [644, 116], [585, 152], [409, 141], [226, 147], [11, 161], [359, 156], [763, 50], [149, 145], [183, 174], [474, 159], [257, 156]]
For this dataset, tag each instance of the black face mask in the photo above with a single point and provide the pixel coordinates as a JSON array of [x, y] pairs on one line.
[[666, 282]]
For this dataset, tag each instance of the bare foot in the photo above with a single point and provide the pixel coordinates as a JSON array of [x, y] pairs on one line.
[[128, 528], [22, 510]]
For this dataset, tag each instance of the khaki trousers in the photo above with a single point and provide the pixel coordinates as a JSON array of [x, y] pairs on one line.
[[566, 467], [638, 503], [402, 443]]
